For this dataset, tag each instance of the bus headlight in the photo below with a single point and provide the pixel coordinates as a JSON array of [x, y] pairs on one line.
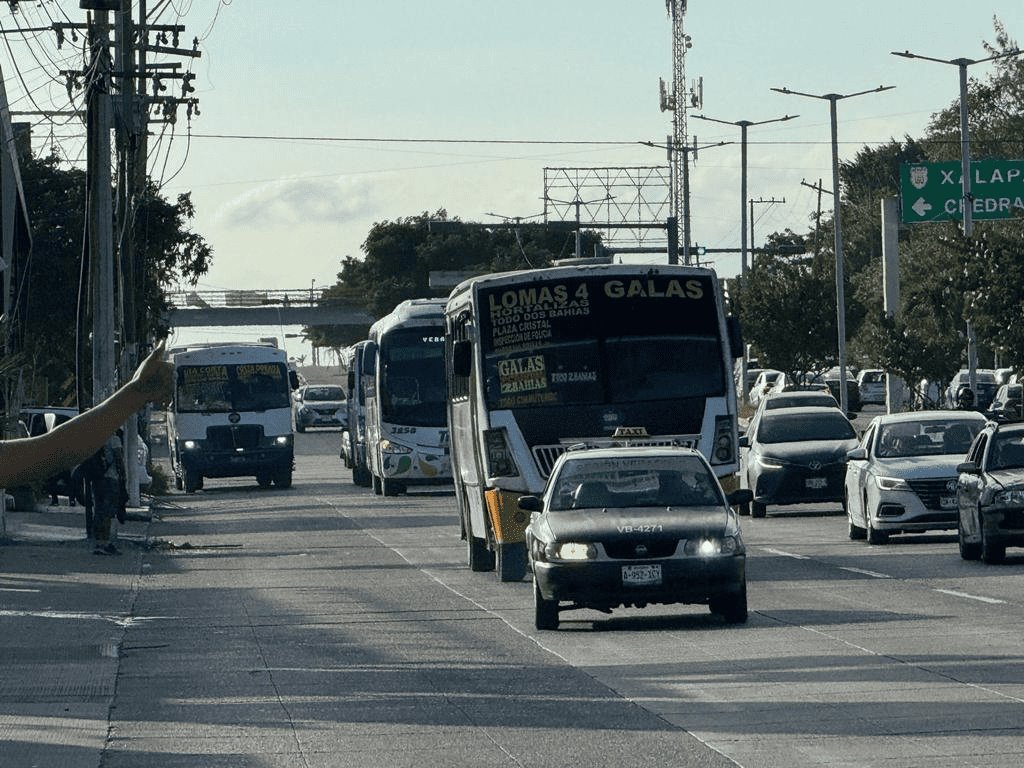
[[499, 456], [390, 446]]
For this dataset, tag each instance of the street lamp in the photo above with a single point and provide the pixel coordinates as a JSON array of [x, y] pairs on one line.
[[743, 125], [967, 199], [832, 98]]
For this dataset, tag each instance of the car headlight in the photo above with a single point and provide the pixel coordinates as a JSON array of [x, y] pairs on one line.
[[190, 445], [891, 484], [282, 440], [711, 547], [390, 446], [768, 461], [570, 550], [1010, 497]]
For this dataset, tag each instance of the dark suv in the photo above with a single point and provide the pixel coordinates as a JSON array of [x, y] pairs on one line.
[[990, 493]]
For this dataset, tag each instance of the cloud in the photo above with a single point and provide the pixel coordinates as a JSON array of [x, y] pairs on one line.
[[302, 201]]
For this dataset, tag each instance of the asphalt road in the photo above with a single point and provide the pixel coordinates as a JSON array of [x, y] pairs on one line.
[[325, 626]]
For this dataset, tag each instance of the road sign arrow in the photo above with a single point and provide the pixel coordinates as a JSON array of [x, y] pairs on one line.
[[921, 207]]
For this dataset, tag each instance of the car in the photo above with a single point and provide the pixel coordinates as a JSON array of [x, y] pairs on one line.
[[853, 401], [1004, 375], [990, 494], [871, 384], [762, 384], [1007, 404], [984, 388], [902, 477], [319, 405], [796, 456], [632, 526], [790, 399]]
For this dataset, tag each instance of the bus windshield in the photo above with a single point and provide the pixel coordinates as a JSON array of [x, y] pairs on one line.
[[412, 379], [225, 388]]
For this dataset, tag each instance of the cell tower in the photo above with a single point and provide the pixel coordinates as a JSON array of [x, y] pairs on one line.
[[678, 101]]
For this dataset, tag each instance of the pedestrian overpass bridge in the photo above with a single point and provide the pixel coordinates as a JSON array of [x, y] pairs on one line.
[[278, 306]]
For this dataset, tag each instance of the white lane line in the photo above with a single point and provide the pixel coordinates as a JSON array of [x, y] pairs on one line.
[[873, 574], [783, 553], [17, 589], [979, 598]]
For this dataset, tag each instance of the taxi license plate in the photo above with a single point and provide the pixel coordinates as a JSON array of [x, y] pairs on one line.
[[641, 575], [816, 483], [947, 502]]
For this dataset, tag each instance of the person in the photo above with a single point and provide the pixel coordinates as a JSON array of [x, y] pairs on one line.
[[105, 493], [965, 399], [32, 459]]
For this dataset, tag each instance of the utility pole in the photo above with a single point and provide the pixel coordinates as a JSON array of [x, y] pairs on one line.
[[759, 200], [817, 219], [832, 98]]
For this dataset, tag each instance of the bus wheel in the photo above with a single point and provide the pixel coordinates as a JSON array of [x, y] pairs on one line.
[[512, 561], [375, 482], [192, 480], [391, 487], [480, 557], [263, 480], [283, 479]]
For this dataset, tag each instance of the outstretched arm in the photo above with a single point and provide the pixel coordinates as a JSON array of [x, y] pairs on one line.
[[37, 458]]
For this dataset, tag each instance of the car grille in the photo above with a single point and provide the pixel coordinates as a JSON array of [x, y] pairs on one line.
[[627, 550], [236, 436], [546, 455], [932, 489]]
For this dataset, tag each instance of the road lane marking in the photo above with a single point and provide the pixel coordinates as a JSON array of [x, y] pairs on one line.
[[17, 589], [979, 598], [873, 574], [783, 553]]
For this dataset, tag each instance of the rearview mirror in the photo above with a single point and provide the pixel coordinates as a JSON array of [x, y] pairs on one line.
[[967, 468]]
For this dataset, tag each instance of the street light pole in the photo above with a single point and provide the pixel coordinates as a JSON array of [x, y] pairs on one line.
[[744, 125], [832, 98], [967, 199]]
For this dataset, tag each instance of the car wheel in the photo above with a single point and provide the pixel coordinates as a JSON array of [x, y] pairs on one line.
[[545, 612], [263, 479], [192, 480], [375, 482], [743, 509], [299, 428], [757, 509], [732, 608], [856, 532], [968, 550], [874, 536], [361, 476], [991, 553], [479, 556], [283, 479]]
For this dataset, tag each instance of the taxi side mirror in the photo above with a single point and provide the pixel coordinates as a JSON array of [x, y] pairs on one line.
[[530, 503]]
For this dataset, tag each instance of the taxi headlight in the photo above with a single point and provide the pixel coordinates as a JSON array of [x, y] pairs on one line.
[[1013, 497], [571, 550], [189, 445], [891, 484], [710, 547], [282, 440]]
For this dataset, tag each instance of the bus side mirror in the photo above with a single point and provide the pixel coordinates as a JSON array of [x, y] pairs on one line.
[[369, 360], [293, 379], [462, 358], [732, 327]]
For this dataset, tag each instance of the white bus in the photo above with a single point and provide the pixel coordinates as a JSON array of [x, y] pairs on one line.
[[231, 415], [353, 435], [543, 359], [404, 388]]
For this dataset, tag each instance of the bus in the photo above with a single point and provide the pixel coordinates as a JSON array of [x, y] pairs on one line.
[[596, 354], [353, 435], [231, 414], [404, 391]]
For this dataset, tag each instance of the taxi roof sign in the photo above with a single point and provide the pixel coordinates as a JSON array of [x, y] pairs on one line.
[[630, 432]]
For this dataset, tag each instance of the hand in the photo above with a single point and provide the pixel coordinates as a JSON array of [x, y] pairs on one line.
[[154, 379]]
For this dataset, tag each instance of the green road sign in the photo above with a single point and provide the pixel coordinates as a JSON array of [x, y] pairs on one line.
[[933, 191]]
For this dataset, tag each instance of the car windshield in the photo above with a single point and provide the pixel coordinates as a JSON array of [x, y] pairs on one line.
[[1007, 451], [651, 481], [323, 393], [814, 398], [782, 427], [929, 438]]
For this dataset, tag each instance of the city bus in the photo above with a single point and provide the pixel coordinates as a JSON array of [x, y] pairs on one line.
[[231, 414], [404, 392], [353, 435], [593, 354]]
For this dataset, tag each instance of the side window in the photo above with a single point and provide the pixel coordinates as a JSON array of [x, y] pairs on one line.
[[458, 386]]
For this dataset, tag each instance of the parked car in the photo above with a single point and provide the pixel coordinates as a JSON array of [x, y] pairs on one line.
[[902, 478], [319, 405], [796, 456], [634, 526], [1007, 404], [990, 494], [871, 384], [984, 388]]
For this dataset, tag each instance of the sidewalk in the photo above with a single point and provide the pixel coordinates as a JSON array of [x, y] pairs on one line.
[[63, 613]]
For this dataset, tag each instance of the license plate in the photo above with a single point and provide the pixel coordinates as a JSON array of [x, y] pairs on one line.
[[641, 575], [947, 502], [817, 483]]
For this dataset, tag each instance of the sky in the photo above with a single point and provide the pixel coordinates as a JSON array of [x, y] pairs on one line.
[[320, 118]]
